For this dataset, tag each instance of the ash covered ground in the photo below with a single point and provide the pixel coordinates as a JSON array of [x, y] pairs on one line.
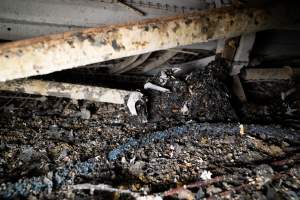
[[193, 145]]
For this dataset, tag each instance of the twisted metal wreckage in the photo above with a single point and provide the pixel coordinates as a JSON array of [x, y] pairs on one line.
[[47, 54]]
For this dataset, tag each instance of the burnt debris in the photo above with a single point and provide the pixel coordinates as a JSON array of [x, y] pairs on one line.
[[200, 95]]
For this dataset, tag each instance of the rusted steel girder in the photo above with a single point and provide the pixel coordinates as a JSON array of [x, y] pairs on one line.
[[71, 49], [67, 90]]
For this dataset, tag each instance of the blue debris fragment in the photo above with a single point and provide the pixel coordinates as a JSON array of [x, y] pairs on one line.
[[159, 135], [37, 184]]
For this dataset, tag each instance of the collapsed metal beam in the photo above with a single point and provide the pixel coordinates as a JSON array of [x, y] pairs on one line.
[[72, 49], [67, 90]]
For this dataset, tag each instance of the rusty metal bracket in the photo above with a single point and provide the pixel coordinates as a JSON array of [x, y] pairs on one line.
[[52, 53]]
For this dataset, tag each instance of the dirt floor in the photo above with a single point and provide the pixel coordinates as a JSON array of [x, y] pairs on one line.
[[54, 148]]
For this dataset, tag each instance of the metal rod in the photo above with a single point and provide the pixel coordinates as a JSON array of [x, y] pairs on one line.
[[52, 53], [131, 8]]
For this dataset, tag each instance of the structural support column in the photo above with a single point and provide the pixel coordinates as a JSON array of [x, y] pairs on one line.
[[48, 54]]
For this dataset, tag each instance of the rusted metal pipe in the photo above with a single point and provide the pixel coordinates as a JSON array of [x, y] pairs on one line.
[[67, 90], [52, 53]]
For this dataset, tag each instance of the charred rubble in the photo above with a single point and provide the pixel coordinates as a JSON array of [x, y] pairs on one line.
[[150, 100], [188, 141], [201, 95]]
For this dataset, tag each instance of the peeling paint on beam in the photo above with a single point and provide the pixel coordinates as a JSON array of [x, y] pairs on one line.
[[67, 90], [52, 53]]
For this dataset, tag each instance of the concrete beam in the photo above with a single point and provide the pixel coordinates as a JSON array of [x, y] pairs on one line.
[[242, 54], [67, 90], [32, 18], [52, 53], [270, 74]]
